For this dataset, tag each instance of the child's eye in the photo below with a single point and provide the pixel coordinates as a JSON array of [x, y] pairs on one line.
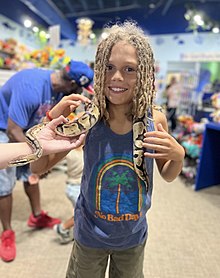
[[129, 69], [109, 67]]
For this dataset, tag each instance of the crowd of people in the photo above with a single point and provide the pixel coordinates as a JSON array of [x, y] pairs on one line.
[[116, 186]]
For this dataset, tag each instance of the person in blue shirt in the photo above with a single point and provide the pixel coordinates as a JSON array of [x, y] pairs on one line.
[[119, 151], [24, 100]]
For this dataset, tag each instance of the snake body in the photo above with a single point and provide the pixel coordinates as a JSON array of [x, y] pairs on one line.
[[81, 125], [32, 140], [139, 128], [70, 129]]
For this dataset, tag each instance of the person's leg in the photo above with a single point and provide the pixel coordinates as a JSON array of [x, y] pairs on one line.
[[87, 262], [7, 243], [7, 183], [38, 218], [6, 211], [173, 119], [64, 231], [68, 224], [72, 192], [127, 263], [33, 193]]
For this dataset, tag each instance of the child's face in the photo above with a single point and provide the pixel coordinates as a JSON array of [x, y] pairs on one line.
[[121, 74]]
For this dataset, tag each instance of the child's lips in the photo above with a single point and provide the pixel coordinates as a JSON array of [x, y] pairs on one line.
[[117, 90]]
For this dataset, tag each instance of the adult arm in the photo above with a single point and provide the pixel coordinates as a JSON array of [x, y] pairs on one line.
[[49, 141], [10, 151], [169, 154]]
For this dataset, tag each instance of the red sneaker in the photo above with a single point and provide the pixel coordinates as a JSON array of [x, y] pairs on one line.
[[8, 247], [42, 221]]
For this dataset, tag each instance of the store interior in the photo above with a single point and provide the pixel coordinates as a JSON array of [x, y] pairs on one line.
[[48, 34]]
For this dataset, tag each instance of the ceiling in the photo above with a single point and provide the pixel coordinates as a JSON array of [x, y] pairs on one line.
[[155, 17]]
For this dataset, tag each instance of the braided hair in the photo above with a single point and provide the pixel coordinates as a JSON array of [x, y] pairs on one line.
[[145, 88]]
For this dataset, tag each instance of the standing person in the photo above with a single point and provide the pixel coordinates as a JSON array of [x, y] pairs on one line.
[[24, 99], [74, 161], [116, 189], [173, 100]]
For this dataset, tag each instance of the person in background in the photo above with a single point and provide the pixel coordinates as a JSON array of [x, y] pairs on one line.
[[110, 214], [173, 100], [25, 99], [49, 141], [74, 174]]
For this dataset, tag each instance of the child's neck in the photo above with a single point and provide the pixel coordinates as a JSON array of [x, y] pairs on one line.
[[119, 121]]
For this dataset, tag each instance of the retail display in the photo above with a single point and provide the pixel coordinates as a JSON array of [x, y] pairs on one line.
[[15, 56], [47, 58], [8, 59], [216, 104], [208, 173], [190, 135]]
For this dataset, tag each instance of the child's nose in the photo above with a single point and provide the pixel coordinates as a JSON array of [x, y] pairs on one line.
[[117, 75]]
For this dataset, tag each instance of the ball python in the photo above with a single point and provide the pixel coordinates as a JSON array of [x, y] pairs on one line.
[[139, 128], [71, 129], [80, 125]]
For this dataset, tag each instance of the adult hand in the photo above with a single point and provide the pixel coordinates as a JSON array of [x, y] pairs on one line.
[[165, 146], [53, 143], [67, 104]]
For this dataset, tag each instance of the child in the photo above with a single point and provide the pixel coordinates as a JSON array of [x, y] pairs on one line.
[[74, 161], [117, 182]]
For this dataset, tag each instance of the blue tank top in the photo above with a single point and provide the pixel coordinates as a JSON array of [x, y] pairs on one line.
[[111, 208]]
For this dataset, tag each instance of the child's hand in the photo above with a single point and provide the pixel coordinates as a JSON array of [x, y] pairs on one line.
[[165, 146], [67, 104]]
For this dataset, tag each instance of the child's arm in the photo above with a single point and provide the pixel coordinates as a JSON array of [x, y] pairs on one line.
[[169, 154]]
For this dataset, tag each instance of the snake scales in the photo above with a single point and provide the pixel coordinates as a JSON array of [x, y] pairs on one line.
[[81, 125]]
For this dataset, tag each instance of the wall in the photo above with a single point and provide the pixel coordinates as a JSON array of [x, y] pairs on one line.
[[180, 47], [79, 52], [167, 48], [10, 29]]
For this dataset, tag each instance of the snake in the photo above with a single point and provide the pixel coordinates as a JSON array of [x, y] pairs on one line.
[[70, 129], [139, 128], [81, 125]]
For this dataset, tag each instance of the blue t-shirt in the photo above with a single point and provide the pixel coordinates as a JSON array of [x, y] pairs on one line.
[[26, 97], [111, 208]]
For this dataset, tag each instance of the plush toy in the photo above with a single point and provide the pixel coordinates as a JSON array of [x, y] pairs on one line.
[[216, 100], [216, 116], [49, 58], [192, 149]]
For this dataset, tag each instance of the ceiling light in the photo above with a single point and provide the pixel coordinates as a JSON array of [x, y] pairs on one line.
[[215, 30], [27, 23], [198, 20], [152, 5], [92, 36], [35, 29], [104, 35]]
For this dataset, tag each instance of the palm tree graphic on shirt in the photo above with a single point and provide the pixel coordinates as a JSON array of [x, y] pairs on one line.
[[118, 189]]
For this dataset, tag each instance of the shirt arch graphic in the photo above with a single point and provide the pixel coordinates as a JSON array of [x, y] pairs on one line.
[[119, 185]]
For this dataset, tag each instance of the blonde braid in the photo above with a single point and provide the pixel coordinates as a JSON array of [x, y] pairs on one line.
[[145, 89]]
